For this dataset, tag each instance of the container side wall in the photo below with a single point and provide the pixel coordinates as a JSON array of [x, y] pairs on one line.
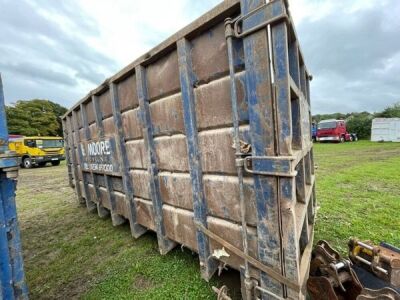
[[164, 131]]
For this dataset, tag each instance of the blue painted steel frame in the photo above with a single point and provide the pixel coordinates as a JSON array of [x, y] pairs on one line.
[[262, 128], [101, 211], [69, 123], [3, 121], [12, 276], [287, 199], [164, 244], [208, 265], [66, 148], [270, 112], [90, 205], [136, 229]]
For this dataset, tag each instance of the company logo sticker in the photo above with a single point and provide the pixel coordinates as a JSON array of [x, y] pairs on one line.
[[100, 156]]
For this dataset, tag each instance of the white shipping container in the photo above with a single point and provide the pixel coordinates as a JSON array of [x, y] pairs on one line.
[[385, 130]]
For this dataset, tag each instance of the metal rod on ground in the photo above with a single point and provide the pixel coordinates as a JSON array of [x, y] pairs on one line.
[[238, 153]]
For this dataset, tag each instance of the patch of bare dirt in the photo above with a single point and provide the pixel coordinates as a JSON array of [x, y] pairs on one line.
[[143, 283]]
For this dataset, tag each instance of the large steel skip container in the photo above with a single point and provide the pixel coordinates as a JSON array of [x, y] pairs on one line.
[[206, 140]]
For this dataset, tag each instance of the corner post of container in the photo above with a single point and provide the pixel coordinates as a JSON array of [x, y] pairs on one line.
[[66, 149], [73, 159], [12, 277], [164, 243], [136, 229], [295, 100], [259, 91], [287, 186], [208, 264]]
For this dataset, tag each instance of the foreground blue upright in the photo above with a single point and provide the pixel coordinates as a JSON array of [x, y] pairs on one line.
[[12, 276]]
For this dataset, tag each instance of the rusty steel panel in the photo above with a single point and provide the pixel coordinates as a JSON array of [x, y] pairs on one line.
[[131, 124], [222, 194], [92, 192], [105, 105], [78, 161], [180, 226], [141, 183], [81, 134], [109, 126], [121, 204], [80, 175], [104, 198], [90, 112], [167, 116], [209, 54], [166, 67], [127, 93], [145, 215], [172, 153], [232, 233], [209, 136], [93, 131], [76, 120], [116, 183], [176, 190], [100, 180], [213, 114], [137, 154]]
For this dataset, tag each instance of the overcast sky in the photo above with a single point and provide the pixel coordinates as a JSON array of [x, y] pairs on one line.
[[60, 50]]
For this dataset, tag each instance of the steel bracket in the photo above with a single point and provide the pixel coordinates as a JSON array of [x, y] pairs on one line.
[[9, 163], [282, 166], [258, 19]]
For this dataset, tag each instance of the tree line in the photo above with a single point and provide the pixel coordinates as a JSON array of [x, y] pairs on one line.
[[43, 118], [360, 122], [35, 118]]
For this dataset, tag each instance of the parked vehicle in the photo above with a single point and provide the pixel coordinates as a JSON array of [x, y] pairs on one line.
[[38, 150], [314, 131], [153, 145], [385, 130], [334, 131]]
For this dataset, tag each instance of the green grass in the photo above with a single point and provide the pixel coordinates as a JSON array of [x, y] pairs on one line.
[[70, 253], [358, 190]]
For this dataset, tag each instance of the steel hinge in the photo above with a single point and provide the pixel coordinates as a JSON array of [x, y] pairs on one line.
[[259, 18], [282, 166]]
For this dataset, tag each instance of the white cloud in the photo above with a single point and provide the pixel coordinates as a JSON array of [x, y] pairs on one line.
[[130, 28], [60, 50]]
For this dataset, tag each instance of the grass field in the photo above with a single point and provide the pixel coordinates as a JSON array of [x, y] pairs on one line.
[[70, 253]]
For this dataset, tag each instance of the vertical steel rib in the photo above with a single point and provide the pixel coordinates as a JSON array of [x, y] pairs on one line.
[[238, 152]]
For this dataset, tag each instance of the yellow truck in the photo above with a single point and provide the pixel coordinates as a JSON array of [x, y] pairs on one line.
[[38, 150]]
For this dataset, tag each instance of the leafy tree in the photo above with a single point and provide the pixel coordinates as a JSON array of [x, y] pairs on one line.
[[337, 116], [360, 123], [392, 111], [35, 117]]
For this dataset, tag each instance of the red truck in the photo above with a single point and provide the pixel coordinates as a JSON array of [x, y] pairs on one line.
[[334, 131]]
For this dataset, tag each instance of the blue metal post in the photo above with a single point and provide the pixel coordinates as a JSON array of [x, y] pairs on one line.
[[287, 196], [12, 276], [90, 204], [101, 211], [3, 122], [164, 244], [73, 157], [208, 265], [262, 130], [136, 229]]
